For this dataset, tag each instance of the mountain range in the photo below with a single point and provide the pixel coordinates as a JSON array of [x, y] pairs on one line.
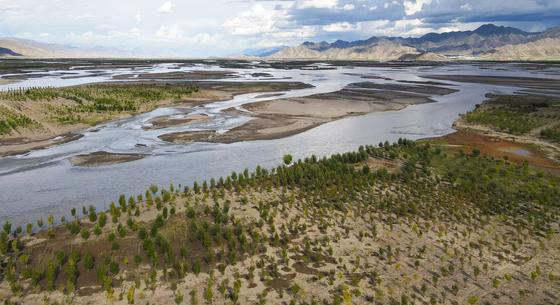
[[17, 47], [487, 42]]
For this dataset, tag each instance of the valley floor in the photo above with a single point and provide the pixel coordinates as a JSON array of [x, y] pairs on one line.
[[439, 221]]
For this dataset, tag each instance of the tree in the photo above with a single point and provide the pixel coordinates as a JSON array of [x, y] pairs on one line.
[[208, 293], [89, 261], [287, 159], [194, 298], [102, 219], [130, 295], [472, 300]]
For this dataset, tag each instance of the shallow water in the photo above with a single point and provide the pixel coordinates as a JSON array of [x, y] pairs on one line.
[[44, 181]]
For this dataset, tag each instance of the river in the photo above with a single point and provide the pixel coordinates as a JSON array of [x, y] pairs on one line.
[[44, 182]]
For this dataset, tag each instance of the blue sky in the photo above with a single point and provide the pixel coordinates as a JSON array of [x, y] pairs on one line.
[[227, 27]]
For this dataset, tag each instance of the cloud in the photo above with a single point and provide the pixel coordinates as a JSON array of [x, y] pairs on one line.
[[466, 7], [221, 27], [257, 20], [411, 8], [327, 4], [339, 27], [169, 33], [166, 8]]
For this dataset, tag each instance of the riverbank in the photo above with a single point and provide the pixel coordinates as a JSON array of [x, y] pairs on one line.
[[281, 118], [44, 132], [527, 116]]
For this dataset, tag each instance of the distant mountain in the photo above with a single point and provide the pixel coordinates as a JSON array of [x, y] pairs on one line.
[[542, 49], [4, 52], [378, 50], [263, 52], [31, 48], [488, 41]]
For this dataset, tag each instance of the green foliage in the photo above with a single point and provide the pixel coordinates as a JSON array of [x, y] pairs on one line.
[[551, 133], [10, 120], [83, 101], [517, 114], [516, 121], [287, 159], [89, 261]]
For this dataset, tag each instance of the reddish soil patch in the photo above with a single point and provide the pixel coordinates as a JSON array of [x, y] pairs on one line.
[[500, 148]]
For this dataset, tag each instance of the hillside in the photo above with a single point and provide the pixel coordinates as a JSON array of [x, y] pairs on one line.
[[486, 42], [543, 49], [381, 50], [34, 49], [5, 52]]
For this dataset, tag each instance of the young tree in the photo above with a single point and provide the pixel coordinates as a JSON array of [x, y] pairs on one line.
[[287, 159]]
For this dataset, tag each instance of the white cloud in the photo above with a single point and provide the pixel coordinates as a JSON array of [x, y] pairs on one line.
[[296, 33], [138, 17], [254, 21], [339, 27], [466, 7], [166, 8], [348, 7], [327, 4], [169, 33], [203, 38], [411, 8]]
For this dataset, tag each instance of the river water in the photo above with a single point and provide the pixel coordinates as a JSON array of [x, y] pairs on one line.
[[44, 182]]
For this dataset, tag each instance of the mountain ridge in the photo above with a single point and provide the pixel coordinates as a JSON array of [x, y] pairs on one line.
[[472, 44], [19, 47]]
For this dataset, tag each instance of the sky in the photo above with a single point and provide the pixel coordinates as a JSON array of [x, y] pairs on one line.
[[202, 28]]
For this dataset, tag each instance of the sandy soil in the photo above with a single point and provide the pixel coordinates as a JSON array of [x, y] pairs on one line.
[[101, 158], [354, 244], [22, 145], [284, 117], [169, 121]]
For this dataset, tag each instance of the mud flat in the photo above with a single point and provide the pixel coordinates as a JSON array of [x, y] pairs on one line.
[[188, 137], [179, 75], [23, 145], [101, 158], [170, 121], [285, 117], [525, 82]]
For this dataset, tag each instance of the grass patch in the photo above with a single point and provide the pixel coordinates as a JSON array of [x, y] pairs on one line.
[[552, 133], [84, 104], [515, 114], [11, 121]]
